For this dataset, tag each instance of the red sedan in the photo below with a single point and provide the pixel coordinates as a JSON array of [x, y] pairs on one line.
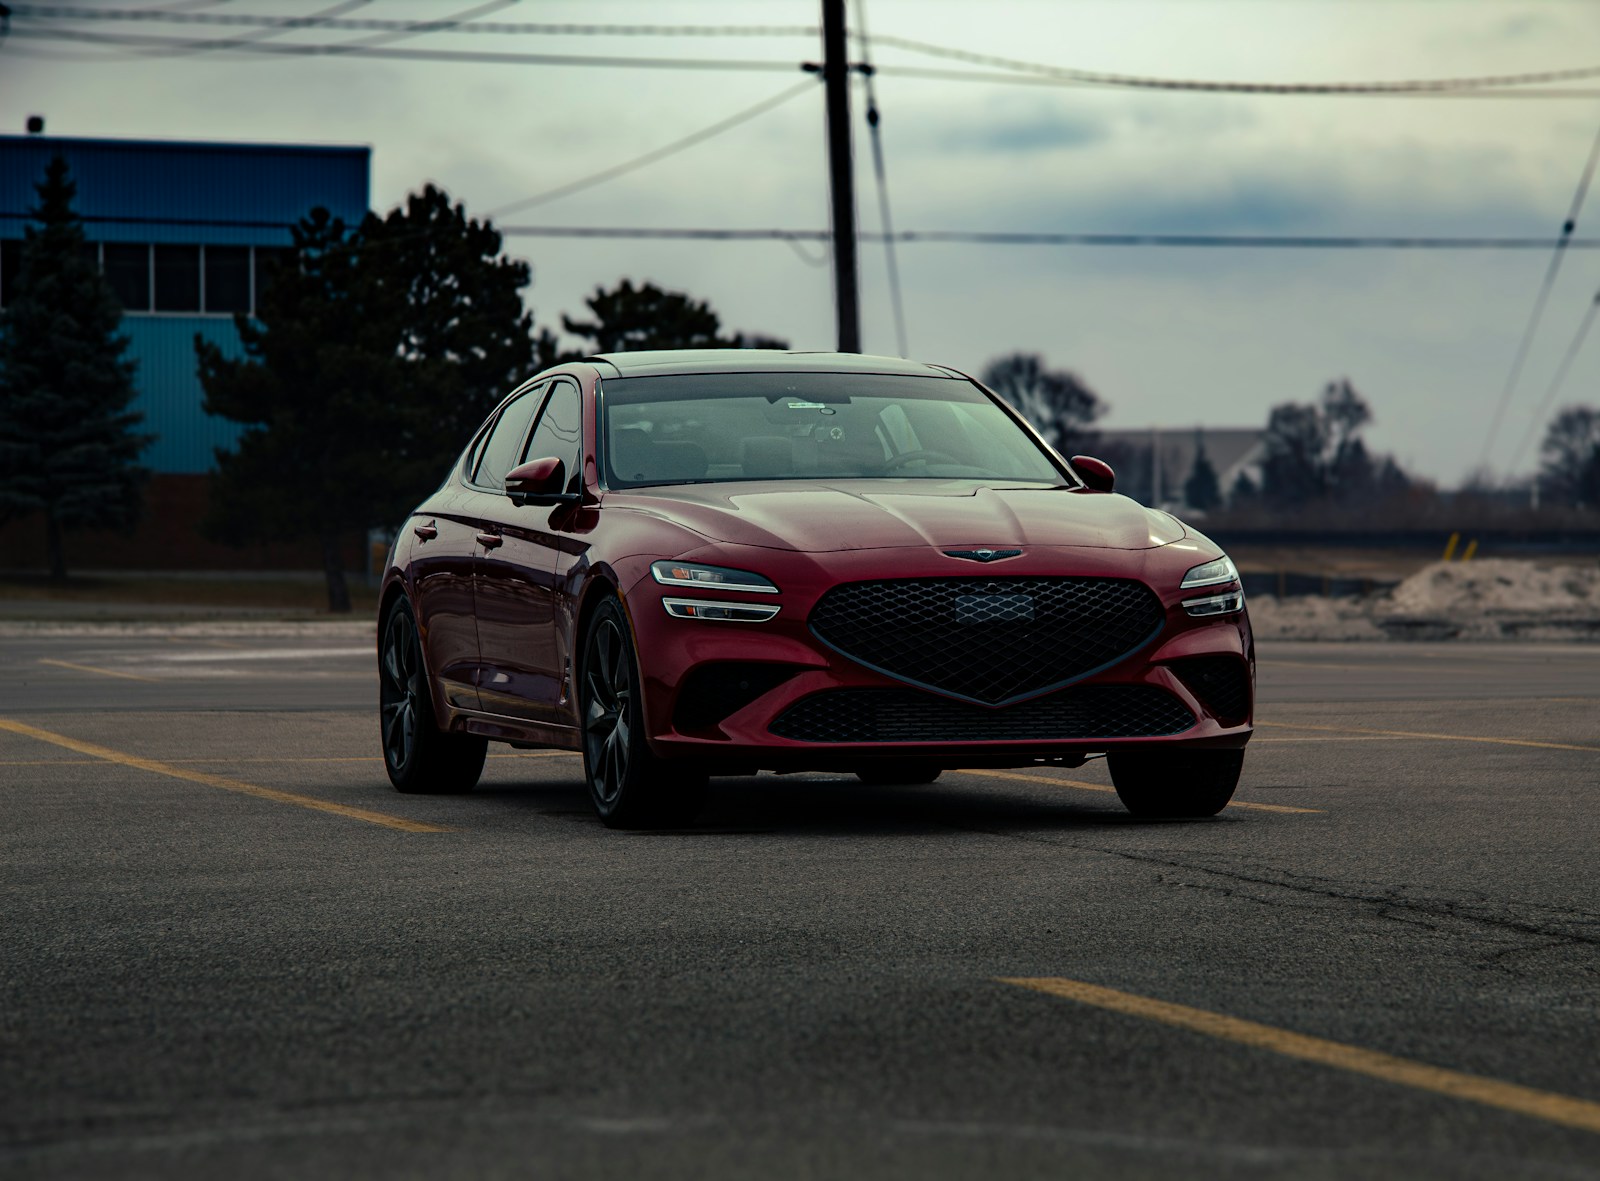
[[687, 564]]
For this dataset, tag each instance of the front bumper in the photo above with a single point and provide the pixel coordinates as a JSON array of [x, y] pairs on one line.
[[728, 693]]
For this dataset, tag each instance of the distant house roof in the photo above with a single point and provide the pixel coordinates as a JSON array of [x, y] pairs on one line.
[[1231, 450]]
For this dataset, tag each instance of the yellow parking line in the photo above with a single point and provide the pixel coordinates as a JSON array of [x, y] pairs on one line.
[[1546, 1105], [104, 672], [227, 759], [1424, 734], [249, 789], [1052, 781]]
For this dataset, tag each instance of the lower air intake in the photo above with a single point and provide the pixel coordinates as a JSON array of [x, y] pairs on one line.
[[1222, 683], [905, 715]]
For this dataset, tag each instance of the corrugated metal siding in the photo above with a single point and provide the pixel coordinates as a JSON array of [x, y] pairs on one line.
[[184, 183], [170, 394], [181, 182]]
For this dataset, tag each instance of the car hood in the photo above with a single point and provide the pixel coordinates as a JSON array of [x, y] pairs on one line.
[[880, 514]]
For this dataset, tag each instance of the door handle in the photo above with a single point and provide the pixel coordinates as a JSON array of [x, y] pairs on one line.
[[489, 540], [426, 532]]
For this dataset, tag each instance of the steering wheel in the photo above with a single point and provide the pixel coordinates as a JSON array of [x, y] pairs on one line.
[[906, 457]]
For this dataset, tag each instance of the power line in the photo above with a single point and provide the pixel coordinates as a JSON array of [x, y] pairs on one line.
[[1049, 238], [949, 237], [1541, 300], [660, 153], [374, 24], [1143, 82], [873, 119], [1009, 79], [1556, 382], [314, 20], [460, 56], [443, 24], [1011, 71]]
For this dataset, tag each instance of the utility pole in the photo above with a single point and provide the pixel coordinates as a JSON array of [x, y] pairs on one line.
[[836, 79]]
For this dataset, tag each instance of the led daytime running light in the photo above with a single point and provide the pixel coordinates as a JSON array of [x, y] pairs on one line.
[[723, 612], [1227, 603]]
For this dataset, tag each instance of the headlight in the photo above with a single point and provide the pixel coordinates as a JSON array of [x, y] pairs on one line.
[[1211, 573], [710, 577]]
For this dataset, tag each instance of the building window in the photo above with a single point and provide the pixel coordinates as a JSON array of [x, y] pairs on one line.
[[227, 278], [127, 268], [177, 278], [268, 259]]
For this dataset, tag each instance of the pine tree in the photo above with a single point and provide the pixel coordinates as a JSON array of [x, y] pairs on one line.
[[631, 318], [1202, 490], [68, 447], [316, 395], [373, 355]]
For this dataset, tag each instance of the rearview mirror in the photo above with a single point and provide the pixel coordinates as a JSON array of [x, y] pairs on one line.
[[1095, 473], [539, 481]]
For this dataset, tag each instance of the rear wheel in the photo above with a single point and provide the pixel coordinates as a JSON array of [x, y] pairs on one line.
[[420, 758], [1176, 783], [629, 786], [903, 771]]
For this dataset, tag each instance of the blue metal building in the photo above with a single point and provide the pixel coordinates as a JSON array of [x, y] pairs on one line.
[[184, 232]]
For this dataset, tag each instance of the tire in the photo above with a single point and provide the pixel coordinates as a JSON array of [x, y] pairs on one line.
[[898, 771], [421, 759], [1176, 783], [629, 785]]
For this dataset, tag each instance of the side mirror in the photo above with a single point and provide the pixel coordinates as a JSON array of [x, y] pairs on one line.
[[539, 481], [1095, 473]]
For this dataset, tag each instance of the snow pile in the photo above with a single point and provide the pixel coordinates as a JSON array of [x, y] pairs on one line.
[[1312, 617], [1495, 599], [1499, 586]]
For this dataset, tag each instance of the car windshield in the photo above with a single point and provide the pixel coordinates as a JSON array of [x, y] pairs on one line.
[[697, 428]]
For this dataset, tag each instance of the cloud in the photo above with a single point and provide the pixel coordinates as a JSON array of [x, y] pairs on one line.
[[1042, 127]]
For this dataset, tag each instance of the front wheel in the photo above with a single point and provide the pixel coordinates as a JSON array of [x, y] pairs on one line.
[[421, 759], [629, 786], [1180, 783]]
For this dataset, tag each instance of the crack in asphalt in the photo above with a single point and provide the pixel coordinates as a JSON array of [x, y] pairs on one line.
[[1555, 927]]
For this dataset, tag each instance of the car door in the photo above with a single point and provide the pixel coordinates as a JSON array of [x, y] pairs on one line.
[[443, 558], [484, 505], [519, 668]]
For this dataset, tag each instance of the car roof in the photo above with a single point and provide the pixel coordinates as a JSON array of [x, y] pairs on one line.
[[759, 361]]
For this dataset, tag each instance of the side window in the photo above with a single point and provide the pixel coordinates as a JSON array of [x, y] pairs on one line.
[[560, 432], [500, 450]]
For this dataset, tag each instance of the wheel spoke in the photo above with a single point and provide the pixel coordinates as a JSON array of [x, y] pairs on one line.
[[391, 660], [599, 691]]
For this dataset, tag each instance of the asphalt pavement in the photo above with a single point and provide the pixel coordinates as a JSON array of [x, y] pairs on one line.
[[231, 949]]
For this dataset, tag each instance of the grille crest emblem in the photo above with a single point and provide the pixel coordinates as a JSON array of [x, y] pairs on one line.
[[982, 555]]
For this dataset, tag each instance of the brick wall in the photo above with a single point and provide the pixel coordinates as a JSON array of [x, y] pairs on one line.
[[166, 538]]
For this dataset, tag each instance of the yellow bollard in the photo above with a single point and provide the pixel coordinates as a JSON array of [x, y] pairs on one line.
[[1450, 546], [1472, 548]]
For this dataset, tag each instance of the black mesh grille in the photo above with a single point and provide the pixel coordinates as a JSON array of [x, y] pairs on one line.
[[1222, 683], [990, 640], [905, 715]]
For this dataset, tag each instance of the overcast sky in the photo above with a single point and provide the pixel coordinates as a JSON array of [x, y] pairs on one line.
[[1170, 336]]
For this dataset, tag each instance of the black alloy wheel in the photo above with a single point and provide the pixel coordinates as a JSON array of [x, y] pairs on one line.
[[419, 757], [1182, 783], [629, 785]]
